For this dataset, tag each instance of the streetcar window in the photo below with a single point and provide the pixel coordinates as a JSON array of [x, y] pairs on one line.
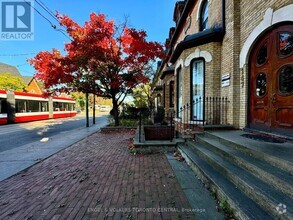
[[72, 107], [33, 106], [66, 107], [20, 106], [61, 106], [3, 106], [57, 106], [44, 106]]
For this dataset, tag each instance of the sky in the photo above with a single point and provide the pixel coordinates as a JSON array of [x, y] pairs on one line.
[[153, 16]]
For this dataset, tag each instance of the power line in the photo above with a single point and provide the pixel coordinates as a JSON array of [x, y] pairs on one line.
[[24, 64], [39, 13], [46, 9], [16, 55], [51, 13], [26, 71], [52, 25]]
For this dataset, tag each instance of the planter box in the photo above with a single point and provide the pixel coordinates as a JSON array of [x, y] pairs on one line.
[[158, 133]]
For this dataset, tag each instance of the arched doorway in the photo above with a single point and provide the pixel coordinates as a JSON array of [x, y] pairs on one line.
[[271, 82]]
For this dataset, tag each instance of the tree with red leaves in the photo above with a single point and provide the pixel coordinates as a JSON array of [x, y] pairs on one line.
[[102, 58]]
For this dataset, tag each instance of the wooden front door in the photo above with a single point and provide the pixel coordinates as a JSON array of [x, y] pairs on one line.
[[271, 82]]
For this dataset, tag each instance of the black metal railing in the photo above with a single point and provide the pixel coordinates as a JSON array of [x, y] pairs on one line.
[[216, 110], [162, 127], [202, 112]]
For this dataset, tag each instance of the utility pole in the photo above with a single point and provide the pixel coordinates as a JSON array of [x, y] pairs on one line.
[[87, 109], [94, 110]]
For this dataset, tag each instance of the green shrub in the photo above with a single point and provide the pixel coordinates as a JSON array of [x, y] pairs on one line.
[[131, 122]]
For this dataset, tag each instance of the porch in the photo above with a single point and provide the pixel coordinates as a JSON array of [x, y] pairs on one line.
[[252, 172]]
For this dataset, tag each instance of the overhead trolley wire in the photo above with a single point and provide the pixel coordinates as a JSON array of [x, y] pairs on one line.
[[16, 55], [43, 16], [40, 3]]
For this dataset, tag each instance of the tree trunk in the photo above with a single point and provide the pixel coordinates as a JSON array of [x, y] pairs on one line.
[[115, 112]]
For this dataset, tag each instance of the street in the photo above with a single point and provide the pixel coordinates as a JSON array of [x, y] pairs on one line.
[[23, 145], [16, 135]]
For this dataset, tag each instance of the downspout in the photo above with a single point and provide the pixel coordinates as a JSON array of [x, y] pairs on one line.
[[224, 15]]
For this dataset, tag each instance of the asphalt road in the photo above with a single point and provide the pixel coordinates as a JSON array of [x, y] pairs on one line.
[[16, 135], [23, 145]]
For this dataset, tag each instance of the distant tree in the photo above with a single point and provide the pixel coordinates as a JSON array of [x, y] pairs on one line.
[[142, 96], [102, 59], [79, 98], [103, 101], [9, 81]]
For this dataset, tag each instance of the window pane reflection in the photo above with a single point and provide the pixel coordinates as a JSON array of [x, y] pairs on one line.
[[286, 79], [261, 84], [285, 44]]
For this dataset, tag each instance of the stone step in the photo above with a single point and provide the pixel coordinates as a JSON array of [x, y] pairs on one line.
[[278, 155], [203, 204], [243, 206], [278, 178], [267, 196]]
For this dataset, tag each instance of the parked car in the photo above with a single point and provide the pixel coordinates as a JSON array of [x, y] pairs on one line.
[[104, 108]]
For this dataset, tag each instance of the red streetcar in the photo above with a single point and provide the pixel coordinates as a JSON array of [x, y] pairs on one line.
[[16, 107]]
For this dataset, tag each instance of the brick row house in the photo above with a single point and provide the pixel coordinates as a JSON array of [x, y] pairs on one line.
[[230, 63]]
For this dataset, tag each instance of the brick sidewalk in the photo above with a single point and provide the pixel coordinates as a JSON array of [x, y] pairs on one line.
[[95, 178]]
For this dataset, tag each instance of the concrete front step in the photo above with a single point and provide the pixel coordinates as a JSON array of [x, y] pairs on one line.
[[278, 178], [278, 155], [243, 206], [203, 204], [267, 196]]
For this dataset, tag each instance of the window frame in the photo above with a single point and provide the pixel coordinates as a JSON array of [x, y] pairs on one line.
[[204, 10], [278, 81], [171, 94], [3, 106], [191, 89], [179, 73]]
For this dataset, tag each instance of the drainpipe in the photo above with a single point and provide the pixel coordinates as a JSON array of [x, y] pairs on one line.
[[224, 15]]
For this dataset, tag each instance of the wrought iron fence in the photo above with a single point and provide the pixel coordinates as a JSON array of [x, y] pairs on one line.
[[201, 112], [161, 129]]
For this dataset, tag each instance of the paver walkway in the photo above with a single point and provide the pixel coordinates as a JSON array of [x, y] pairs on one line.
[[95, 178]]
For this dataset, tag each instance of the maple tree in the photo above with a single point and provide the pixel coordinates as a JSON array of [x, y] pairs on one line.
[[102, 58]]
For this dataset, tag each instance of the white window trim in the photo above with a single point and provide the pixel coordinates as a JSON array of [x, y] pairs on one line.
[[198, 54], [270, 18], [179, 64], [199, 9]]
